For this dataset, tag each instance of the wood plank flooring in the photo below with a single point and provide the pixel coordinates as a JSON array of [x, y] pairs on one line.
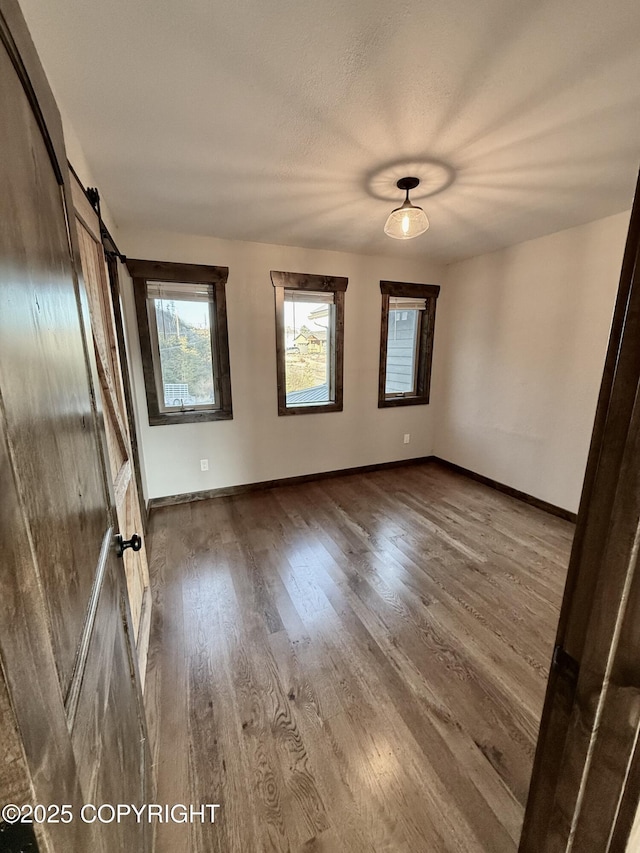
[[353, 664]]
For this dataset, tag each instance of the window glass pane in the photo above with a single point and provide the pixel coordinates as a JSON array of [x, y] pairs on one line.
[[402, 355], [184, 343], [309, 321]]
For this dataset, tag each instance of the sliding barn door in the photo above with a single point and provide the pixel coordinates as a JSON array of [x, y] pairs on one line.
[[116, 418], [69, 684], [586, 779]]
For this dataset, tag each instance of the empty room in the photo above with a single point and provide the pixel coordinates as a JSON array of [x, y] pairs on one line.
[[319, 427]]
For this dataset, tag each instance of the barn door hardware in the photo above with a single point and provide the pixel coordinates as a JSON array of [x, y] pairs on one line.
[[135, 543]]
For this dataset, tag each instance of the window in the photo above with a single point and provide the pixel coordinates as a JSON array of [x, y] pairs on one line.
[[182, 320], [406, 342], [309, 342]]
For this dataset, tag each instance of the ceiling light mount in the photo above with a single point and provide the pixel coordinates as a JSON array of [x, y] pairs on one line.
[[408, 220], [408, 184]]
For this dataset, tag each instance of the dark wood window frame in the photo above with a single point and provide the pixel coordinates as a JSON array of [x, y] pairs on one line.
[[164, 271], [402, 289], [322, 284]]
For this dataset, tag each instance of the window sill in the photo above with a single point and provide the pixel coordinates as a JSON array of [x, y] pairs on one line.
[[310, 410], [174, 418], [394, 402]]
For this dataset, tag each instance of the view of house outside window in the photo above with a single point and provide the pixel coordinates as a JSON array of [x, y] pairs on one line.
[[402, 346], [184, 343], [308, 330]]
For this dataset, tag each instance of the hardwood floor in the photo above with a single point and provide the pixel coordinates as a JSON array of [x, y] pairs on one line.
[[355, 664]]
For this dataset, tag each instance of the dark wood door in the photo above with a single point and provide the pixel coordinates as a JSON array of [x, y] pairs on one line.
[[69, 669]]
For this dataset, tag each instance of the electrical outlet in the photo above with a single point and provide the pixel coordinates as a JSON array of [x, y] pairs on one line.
[[407, 437], [204, 464]]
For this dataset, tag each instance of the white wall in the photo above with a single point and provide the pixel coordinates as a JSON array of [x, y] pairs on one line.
[[76, 156], [258, 445], [520, 346]]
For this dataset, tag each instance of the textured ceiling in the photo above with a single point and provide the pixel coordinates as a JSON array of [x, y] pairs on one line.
[[287, 121]]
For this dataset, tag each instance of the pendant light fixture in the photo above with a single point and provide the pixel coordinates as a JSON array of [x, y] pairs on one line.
[[407, 221]]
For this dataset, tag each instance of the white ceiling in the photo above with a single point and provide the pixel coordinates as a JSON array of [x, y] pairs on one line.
[[279, 121]]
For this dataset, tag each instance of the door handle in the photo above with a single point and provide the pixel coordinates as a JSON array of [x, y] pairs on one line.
[[135, 543]]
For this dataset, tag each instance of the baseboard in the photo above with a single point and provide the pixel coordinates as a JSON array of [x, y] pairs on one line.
[[171, 500], [229, 491], [508, 490]]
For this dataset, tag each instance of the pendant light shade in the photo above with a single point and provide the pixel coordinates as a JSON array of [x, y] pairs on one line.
[[407, 221]]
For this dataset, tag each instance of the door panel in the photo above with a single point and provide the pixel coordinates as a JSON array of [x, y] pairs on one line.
[[127, 504], [66, 653], [43, 376], [107, 733], [30, 672], [89, 713], [119, 279], [122, 777]]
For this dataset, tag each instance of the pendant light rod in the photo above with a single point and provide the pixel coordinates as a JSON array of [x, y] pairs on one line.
[[407, 184]]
